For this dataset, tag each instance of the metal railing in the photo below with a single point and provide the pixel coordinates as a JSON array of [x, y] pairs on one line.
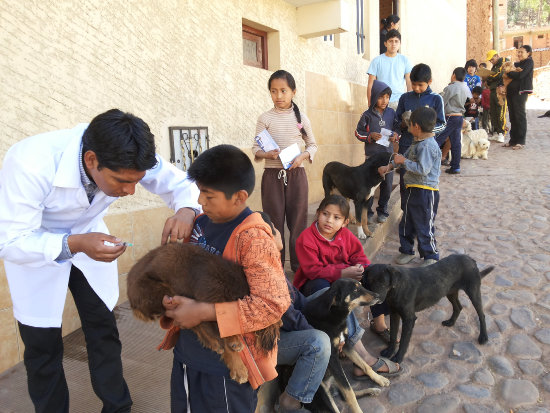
[[186, 143]]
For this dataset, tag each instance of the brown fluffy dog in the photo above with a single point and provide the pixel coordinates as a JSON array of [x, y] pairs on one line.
[[501, 90], [188, 270]]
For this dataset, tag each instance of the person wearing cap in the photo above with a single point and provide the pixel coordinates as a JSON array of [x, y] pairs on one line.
[[497, 111]]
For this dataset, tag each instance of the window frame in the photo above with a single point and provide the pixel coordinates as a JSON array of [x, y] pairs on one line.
[[260, 38]]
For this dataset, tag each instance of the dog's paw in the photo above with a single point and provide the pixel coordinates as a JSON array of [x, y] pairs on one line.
[[239, 374], [482, 339], [398, 358], [381, 381], [448, 323], [361, 234]]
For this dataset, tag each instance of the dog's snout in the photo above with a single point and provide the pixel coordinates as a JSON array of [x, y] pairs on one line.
[[371, 298]]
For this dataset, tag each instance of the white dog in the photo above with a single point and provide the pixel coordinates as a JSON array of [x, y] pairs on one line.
[[475, 143]]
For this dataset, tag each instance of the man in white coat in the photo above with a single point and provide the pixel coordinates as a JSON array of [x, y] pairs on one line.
[[55, 189]]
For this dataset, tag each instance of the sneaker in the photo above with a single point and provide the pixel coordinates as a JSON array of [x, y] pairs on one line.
[[403, 259], [428, 262], [381, 218], [445, 162], [452, 171], [500, 138]]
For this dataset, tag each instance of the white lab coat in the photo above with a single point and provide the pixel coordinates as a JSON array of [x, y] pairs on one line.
[[42, 198]]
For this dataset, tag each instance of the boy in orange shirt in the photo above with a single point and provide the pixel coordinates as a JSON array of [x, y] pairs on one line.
[[200, 381]]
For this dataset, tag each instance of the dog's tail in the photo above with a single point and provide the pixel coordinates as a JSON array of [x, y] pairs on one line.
[[486, 271]]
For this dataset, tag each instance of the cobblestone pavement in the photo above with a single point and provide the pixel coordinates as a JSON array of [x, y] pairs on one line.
[[498, 212]]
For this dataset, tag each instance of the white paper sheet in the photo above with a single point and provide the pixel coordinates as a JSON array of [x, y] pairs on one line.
[[288, 154], [385, 139], [266, 141]]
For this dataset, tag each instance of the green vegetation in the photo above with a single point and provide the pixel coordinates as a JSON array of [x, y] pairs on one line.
[[528, 13]]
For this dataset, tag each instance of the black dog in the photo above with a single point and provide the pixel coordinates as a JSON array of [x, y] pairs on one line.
[[328, 313], [408, 290], [357, 183]]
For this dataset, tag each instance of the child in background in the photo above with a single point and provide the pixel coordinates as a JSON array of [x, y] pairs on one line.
[[473, 107], [200, 380], [454, 98], [486, 106], [285, 192], [327, 251], [471, 79], [379, 116], [422, 163]]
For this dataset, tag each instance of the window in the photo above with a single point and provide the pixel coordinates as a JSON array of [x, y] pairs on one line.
[[254, 47], [186, 143], [518, 42], [540, 36]]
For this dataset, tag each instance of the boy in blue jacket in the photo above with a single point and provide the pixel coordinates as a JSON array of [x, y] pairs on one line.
[[377, 128], [421, 163], [421, 95]]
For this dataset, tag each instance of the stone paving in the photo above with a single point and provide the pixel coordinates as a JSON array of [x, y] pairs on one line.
[[498, 212]]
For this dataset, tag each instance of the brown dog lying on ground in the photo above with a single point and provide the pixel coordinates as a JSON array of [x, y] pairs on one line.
[[188, 270]]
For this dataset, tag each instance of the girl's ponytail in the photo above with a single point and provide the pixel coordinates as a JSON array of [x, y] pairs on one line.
[[299, 119]]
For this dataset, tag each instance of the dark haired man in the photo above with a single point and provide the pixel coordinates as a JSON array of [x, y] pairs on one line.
[[55, 189], [392, 68]]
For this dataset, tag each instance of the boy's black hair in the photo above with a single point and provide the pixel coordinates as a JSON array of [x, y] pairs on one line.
[[460, 73], [478, 90], [337, 200], [470, 63], [393, 33], [421, 73], [283, 74], [484, 65], [424, 117], [224, 168], [527, 48], [392, 18], [120, 141], [386, 91]]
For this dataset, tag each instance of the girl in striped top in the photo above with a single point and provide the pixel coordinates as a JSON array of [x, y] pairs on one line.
[[285, 192]]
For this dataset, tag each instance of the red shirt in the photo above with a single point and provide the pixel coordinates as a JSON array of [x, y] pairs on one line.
[[485, 98], [320, 258]]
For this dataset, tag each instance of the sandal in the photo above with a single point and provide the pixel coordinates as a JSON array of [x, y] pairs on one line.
[[384, 334], [393, 369], [507, 145], [517, 146]]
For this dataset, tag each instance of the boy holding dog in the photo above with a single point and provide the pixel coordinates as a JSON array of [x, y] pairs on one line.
[[422, 163], [200, 380]]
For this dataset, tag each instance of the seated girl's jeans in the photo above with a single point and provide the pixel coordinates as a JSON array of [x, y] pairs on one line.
[[309, 352]]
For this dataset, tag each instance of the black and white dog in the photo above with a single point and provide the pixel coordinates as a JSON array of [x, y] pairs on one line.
[[329, 313], [358, 183]]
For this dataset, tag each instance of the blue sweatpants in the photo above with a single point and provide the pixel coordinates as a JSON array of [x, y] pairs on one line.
[[418, 220], [208, 393], [453, 132]]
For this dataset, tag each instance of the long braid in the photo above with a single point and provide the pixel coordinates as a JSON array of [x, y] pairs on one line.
[[299, 118]]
